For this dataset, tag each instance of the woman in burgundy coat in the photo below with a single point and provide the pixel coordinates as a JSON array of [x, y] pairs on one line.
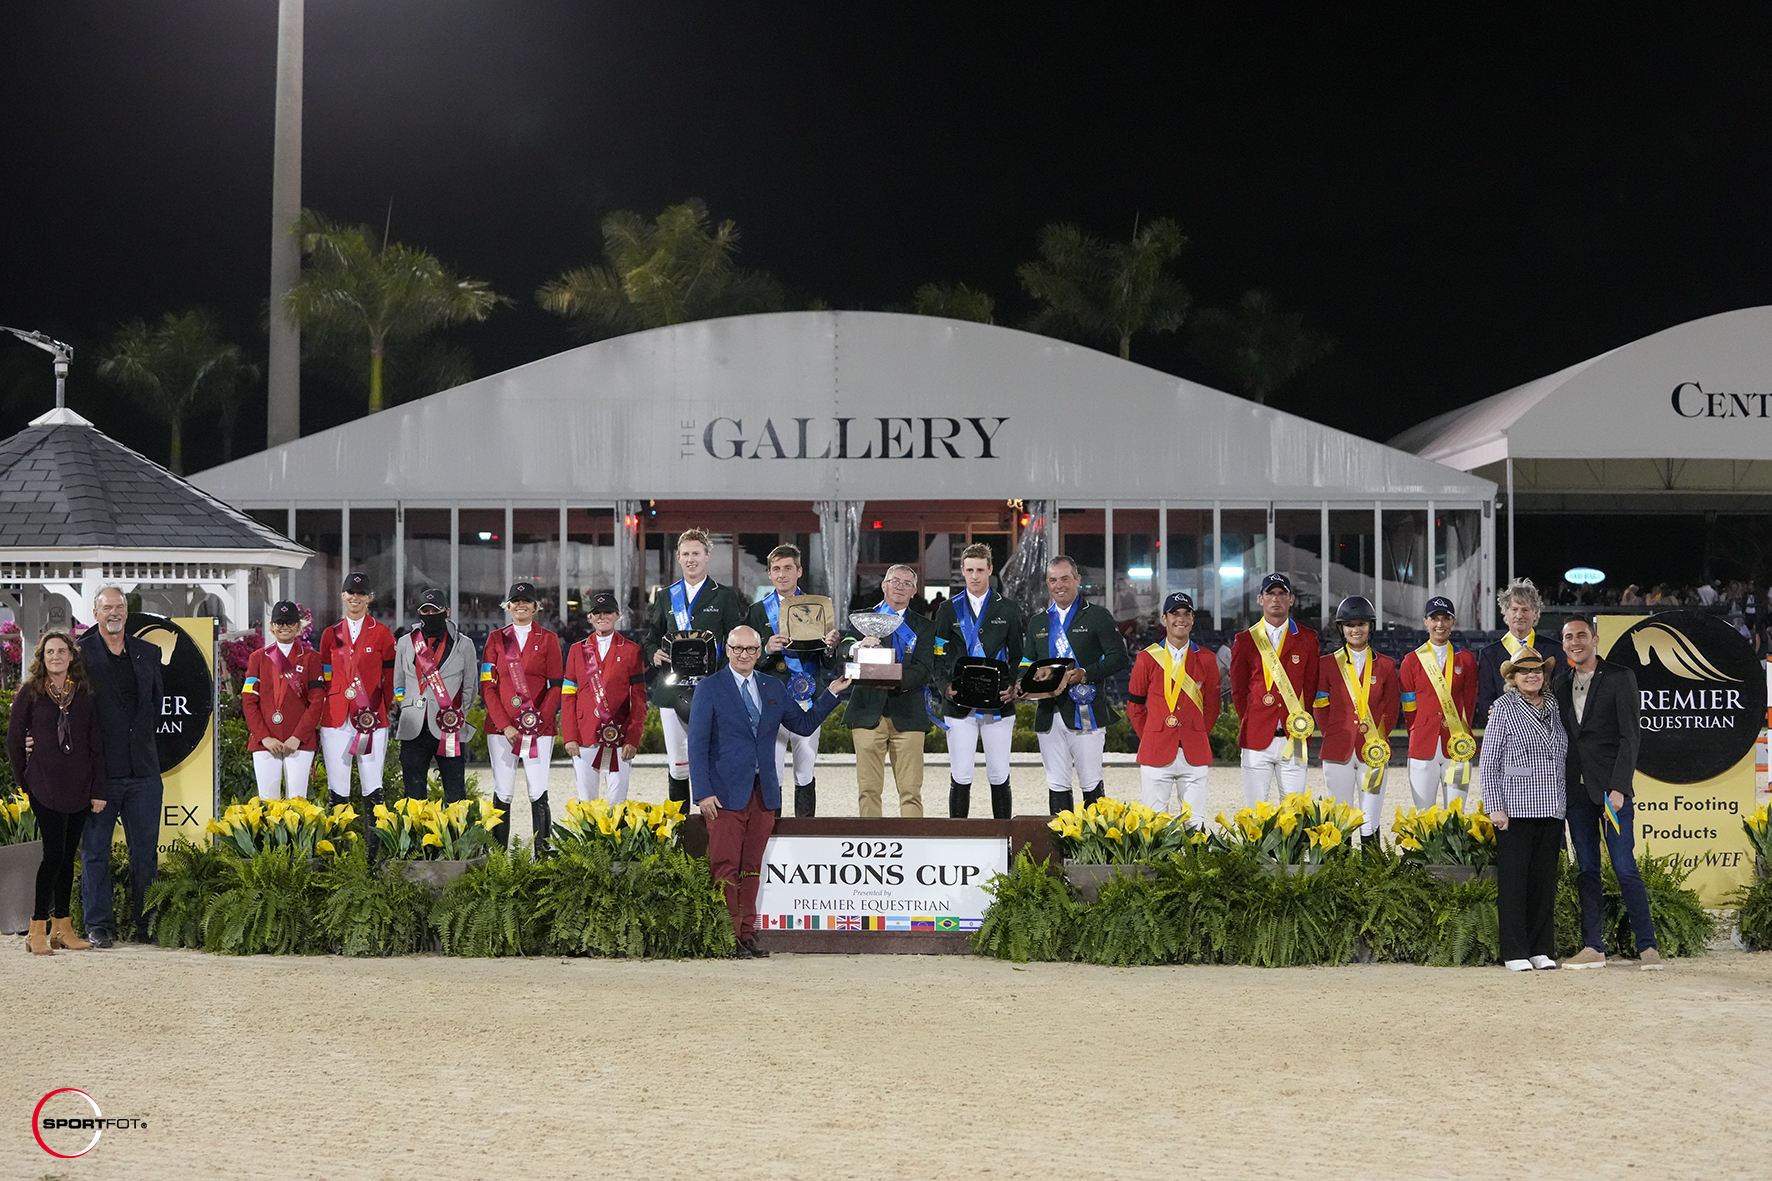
[[53, 743]]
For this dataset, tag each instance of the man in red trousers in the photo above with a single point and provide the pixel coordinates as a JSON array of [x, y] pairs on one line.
[[733, 723]]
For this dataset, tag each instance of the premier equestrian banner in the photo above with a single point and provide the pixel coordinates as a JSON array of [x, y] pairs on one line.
[[1702, 696], [899, 884], [186, 737]]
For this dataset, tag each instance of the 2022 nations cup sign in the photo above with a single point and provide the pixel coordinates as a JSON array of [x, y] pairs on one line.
[[908, 885], [1702, 695]]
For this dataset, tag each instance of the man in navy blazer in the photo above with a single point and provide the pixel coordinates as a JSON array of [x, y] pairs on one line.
[[733, 723]]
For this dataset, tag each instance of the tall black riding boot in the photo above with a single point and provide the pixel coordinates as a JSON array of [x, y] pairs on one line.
[[1002, 800], [1058, 801], [371, 838], [1090, 795], [806, 798], [543, 821], [959, 799], [679, 790], [501, 832]]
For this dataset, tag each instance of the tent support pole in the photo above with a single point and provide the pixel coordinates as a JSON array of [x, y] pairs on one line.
[[1510, 518]]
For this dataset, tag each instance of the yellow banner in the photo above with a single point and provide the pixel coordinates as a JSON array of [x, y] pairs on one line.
[[1700, 823]]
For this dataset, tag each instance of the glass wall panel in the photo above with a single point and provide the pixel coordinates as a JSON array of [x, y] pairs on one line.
[[372, 552], [1298, 546], [1189, 556], [535, 557], [752, 581], [1351, 555], [1135, 565], [1243, 562], [1405, 566], [427, 554], [315, 585], [482, 558], [590, 563], [1079, 535], [1458, 550]]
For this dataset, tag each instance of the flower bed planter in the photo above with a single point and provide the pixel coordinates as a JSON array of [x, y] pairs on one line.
[[436, 875], [18, 885], [1087, 880], [1457, 875]]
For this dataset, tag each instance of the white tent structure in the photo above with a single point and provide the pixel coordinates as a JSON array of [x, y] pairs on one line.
[[833, 421], [1680, 421]]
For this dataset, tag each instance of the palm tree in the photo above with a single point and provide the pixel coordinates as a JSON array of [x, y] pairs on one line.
[[378, 294], [174, 368], [1257, 348], [956, 301], [1106, 291], [677, 268]]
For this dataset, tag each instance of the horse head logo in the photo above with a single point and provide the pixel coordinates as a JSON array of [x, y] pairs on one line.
[[1677, 654]]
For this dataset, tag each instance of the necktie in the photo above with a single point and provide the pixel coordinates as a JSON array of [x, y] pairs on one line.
[[750, 705]]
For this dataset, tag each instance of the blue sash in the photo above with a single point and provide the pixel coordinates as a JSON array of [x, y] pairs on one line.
[[684, 611], [970, 626], [904, 640], [1058, 643], [802, 685]]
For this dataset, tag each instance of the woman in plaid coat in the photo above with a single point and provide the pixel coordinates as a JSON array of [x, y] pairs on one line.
[[1522, 768]]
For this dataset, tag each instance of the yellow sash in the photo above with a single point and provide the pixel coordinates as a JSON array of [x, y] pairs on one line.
[[1176, 680], [1461, 748], [1299, 723], [1513, 646], [1375, 749]]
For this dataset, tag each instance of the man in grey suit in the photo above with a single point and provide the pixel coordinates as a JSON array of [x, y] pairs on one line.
[[435, 685], [1600, 709]]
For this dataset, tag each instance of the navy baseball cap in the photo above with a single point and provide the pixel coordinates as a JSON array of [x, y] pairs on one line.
[[1440, 605], [603, 603], [1276, 582], [357, 583], [1177, 601], [285, 612], [521, 592], [434, 598]]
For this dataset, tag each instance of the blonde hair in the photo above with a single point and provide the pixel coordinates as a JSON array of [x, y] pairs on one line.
[[1524, 590], [785, 550], [700, 535], [979, 549]]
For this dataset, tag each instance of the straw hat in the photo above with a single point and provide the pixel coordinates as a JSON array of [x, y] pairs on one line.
[[1525, 660]]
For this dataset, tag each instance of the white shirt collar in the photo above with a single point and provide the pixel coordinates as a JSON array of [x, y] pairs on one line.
[[522, 630], [977, 602], [1175, 654], [1274, 633], [746, 681], [603, 643], [1358, 656], [356, 626], [284, 648], [691, 589]]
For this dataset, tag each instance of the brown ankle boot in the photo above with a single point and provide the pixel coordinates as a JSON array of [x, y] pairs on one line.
[[37, 942], [61, 934]]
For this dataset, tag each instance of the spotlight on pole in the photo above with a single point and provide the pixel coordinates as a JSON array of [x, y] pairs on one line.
[[62, 353]]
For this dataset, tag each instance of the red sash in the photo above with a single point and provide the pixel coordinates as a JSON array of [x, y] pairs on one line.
[[528, 717], [360, 700], [608, 733], [430, 679], [285, 679]]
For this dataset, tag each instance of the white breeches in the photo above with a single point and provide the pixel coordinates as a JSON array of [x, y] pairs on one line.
[[805, 748], [504, 765], [335, 742], [591, 778], [1344, 784], [1178, 778], [290, 772], [676, 740], [1064, 750], [1264, 767], [964, 735]]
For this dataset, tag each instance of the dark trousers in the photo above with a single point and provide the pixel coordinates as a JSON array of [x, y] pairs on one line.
[[416, 757], [1526, 880], [137, 801], [736, 840], [55, 873], [1587, 824]]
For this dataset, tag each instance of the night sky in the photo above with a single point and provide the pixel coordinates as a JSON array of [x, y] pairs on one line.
[[1464, 204]]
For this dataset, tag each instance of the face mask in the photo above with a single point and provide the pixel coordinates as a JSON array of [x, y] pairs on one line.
[[432, 625]]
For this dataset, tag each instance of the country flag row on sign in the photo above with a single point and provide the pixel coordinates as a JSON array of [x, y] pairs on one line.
[[856, 922]]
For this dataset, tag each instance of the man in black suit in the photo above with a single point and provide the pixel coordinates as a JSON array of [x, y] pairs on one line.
[[126, 688], [1599, 705], [1520, 605]]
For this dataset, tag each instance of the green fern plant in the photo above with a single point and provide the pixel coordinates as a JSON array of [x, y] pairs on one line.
[[1755, 914], [1682, 926], [269, 909], [490, 910], [1124, 927], [190, 877], [1396, 902], [370, 912], [1467, 926], [663, 905], [1297, 920], [1031, 917]]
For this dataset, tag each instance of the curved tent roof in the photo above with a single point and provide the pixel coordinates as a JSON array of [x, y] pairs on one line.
[[833, 405], [1686, 409]]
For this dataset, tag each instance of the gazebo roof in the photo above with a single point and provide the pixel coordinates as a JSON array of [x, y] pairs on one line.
[[69, 487]]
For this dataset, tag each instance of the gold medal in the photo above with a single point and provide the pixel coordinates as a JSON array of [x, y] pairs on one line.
[[351, 693], [1172, 721], [1365, 727], [1267, 699]]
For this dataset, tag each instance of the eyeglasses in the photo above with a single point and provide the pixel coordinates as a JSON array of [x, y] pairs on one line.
[[744, 649], [901, 583]]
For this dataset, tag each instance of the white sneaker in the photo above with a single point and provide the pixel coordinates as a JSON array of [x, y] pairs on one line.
[[1518, 965], [1544, 963]]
